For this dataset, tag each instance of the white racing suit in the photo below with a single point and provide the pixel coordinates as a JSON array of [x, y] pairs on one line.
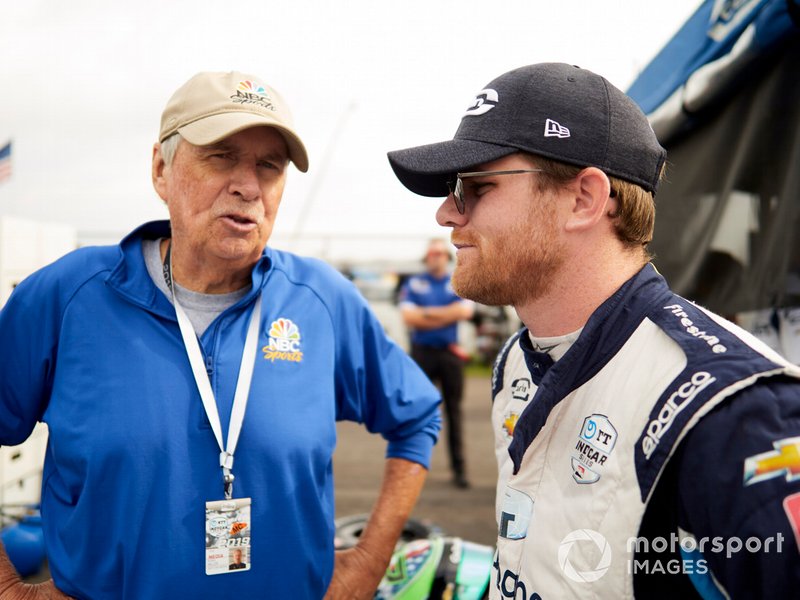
[[582, 443]]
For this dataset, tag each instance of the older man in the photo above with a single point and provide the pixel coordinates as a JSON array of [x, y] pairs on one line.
[[157, 362], [645, 446]]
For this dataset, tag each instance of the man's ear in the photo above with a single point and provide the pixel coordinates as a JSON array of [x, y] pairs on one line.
[[158, 168], [591, 199]]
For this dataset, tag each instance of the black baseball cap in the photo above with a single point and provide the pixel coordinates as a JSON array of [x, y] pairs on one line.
[[553, 110]]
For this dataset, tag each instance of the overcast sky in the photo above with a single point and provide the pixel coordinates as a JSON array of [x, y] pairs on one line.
[[83, 84]]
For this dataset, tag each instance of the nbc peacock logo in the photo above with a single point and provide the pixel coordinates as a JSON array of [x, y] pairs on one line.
[[284, 342], [251, 87], [250, 92]]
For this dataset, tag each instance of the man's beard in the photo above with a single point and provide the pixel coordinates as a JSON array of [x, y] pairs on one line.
[[512, 270]]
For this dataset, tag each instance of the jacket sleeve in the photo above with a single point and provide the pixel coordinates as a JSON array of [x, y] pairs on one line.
[[739, 486], [29, 324], [378, 384]]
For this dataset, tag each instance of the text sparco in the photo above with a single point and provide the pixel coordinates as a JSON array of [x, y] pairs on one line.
[[677, 402]]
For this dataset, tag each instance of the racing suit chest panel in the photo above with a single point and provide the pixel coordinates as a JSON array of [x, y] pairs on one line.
[[572, 466]]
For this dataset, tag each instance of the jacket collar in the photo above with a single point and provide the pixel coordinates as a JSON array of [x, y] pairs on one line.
[[130, 278]]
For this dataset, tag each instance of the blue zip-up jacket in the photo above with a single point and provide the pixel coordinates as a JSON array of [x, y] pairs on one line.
[[91, 347], [425, 290]]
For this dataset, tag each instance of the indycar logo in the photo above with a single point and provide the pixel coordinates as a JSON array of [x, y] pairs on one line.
[[596, 441]]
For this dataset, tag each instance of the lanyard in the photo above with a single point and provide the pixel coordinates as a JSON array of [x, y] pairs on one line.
[[204, 385]]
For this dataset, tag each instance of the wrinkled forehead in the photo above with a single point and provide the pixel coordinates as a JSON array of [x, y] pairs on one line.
[[262, 140]]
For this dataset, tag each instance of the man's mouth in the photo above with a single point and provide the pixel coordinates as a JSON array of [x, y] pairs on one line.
[[239, 221]]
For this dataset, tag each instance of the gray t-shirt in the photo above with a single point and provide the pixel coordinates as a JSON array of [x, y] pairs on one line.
[[201, 309]]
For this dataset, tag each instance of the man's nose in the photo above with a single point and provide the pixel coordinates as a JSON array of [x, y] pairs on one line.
[[245, 182], [447, 215]]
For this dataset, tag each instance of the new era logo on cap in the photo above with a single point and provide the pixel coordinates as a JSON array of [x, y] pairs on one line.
[[555, 129], [597, 126], [485, 101]]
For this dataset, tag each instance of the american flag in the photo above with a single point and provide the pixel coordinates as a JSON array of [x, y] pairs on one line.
[[5, 162]]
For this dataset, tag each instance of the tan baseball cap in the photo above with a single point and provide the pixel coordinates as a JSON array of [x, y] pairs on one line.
[[212, 106]]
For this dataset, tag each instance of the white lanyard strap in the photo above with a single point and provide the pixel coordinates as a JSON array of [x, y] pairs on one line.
[[246, 366]]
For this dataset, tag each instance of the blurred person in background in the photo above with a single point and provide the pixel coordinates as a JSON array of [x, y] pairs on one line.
[[432, 311]]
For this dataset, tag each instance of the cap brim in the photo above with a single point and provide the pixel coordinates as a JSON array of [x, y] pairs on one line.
[[425, 170], [214, 128]]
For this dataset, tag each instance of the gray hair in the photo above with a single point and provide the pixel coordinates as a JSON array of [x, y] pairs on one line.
[[169, 146]]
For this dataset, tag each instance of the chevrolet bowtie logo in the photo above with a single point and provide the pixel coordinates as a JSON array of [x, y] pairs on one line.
[[784, 460]]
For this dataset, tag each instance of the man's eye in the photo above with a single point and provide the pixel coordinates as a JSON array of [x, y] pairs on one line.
[[479, 189]]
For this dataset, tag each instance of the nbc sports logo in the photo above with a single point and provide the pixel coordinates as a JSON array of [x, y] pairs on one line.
[[284, 342], [251, 87]]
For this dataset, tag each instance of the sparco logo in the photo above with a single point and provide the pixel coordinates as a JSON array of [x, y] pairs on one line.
[[692, 329], [672, 408]]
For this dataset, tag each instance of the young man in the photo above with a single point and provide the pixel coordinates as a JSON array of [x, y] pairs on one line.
[[141, 358], [431, 310], [645, 446]]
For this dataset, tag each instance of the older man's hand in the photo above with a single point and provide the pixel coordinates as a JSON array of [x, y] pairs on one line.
[[356, 575], [38, 591], [13, 588]]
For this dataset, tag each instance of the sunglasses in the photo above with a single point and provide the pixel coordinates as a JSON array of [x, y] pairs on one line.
[[457, 188]]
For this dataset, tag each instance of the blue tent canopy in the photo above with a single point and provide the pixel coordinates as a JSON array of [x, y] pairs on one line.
[[709, 35], [723, 97]]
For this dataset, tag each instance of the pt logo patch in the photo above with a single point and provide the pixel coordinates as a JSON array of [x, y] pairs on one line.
[[284, 342], [595, 443], [783, 461]]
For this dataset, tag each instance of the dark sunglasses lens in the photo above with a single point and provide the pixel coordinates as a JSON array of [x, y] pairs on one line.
[[458, 196]]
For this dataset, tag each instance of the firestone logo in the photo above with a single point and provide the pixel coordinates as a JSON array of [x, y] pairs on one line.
[[712, 340]]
